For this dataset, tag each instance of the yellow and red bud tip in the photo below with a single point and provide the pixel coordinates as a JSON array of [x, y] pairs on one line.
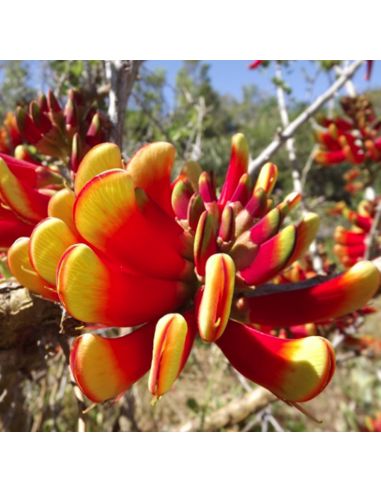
[[191, 171], [289, 203], [267, 178], [76, 152], [214, 308], [227, 225], [243, 190], [205, 241], [195, 209], [169, 353], [206, 187], [100, 158], [306, 232], [150, 169], [238, 164], [181, 194], [254, 208]]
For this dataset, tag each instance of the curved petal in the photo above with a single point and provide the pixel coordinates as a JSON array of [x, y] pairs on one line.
[[11, 228], [271, 257], [306, 232], [294, 370], [48, 242], [21, 267], [174, 336], [27, 202], [311, 302], [129, 227], [104, 368], [266, 227], [213, 310], [267, 178], [150, 169], [239, 159], [100, 158], [61, 205], [96, 291]]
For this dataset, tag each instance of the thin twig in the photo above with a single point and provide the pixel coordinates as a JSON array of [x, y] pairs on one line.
[[282, 137]]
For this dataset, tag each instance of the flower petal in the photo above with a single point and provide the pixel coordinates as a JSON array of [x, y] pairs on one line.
[[306, 232], [21, 267], [130, 228], [150, 169], [267, 178], [48, 242], [100, 158], [11, 228], [61, 206], [216, 298], [27, 202], [294, 370], [271, 257], [171, 347], [239, 160], [104, 368], [311, 301], [96, 291]]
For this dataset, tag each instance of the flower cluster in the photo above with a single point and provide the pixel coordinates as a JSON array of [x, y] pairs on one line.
[[48, 143], [176, 260], [351, 243], [356, 138]]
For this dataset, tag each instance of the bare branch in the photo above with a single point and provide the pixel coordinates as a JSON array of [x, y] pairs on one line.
[[281, 138], [121, 75], [233, 413]]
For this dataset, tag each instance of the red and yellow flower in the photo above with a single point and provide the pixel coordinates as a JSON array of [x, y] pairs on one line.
[[355, 138], [351, 243], [48, 143], [175, 260]]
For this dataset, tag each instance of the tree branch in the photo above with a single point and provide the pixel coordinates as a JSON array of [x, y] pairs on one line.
[[288, 132], [121, 75]]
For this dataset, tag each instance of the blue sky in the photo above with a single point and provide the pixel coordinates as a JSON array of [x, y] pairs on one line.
[[229, 76]]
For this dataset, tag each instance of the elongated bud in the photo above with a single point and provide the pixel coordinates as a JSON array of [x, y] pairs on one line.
[[206, 188], [76, 152], [205, 243], [181, 194], [94, 133], [239, 159], [195, 209], [267, 178], [227, 226], [255, 207], [53, 104], [191, 170], [70, 113], [243, 190], [43, 103], [214, 308], [40, 119], [289, 203], [26, 126], [169, 353]]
